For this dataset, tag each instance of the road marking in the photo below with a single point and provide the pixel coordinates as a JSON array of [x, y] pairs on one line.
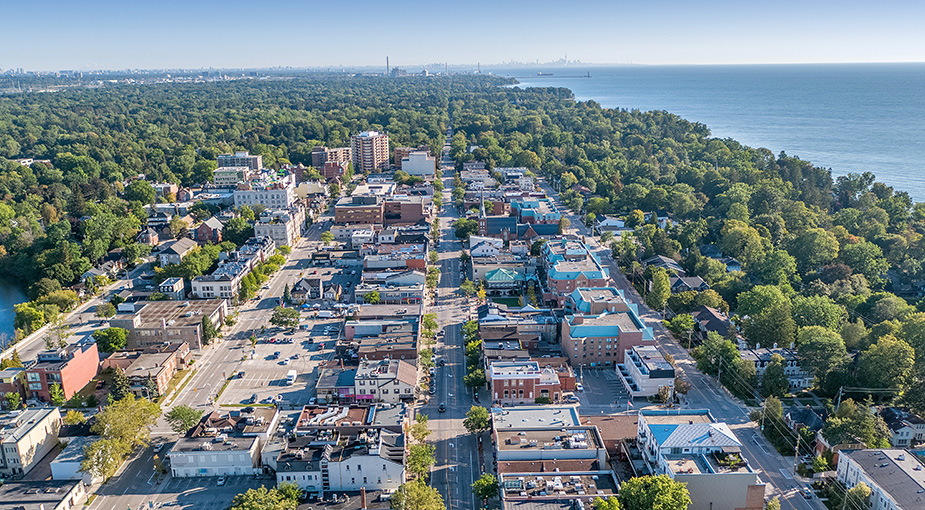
[[786, 473]]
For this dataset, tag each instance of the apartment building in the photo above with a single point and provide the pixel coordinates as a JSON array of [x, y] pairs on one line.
[[227, 444], [370, 151], [596, 340], [798, 378], [645, 371], [385, 381], [241, 158], [230, 176], [570, 265], [896, 477], [334, 170], [158, 322], [270, 190], [284, 226], [388, 295], [522, 382], [596, 300], [223, 283], [70, 367], [322, 155], [26, 437]]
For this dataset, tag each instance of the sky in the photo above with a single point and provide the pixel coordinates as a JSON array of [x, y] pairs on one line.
[[159, 34]]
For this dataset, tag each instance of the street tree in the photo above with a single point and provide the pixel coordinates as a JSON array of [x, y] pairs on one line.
[[327, 237], [110, 339], [421, 459], [682, 325], [564, 225], [661, 289], [105, 310], [486, 487], [182, 418], [477, 420], [372, 297], [420, 430], [263, 499], [611, 503], [654, 493], [285, 317], [417, 495], [774, 380], [103, 457], [74, 417], [209, 331], [468, 287], [13, 400], [433, 257], [715, 352], [475, 379]]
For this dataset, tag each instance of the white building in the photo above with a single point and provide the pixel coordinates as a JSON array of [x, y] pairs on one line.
[[485, 249], [896, 477], [271, 191], [26, 437], [173, 252], [230, 176], [419, 163], [223, 283], [224, 444], [241, 158], [66, 465], [644, 371], [797, 378], [385, 381], [284, 226]]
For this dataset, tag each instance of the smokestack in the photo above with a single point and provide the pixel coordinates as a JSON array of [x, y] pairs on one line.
[[363, 498], [387, 65]]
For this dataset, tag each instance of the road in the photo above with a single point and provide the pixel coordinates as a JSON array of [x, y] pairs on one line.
[[456, 450], [706, 392]]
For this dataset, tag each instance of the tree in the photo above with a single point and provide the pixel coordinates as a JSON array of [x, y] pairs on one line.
[[611, 503], [463, 228], [818, 311], [820, 464], [537, 247], [661, 289], [421, 459], [13, 362], [821, 350], [887, 364], [813, 248], [417, 495], [468, 287], [564, 225], [858, 496], [475, 379], [209, 331], [715, 352], [477, 420], [285, 317], [774, 380], [773, 504], [74, 417], [182, 418], [486, 487], [141, 191], [237, 230], [287, 295], [263, 499], [13, 399], [327, 238], [433, 257], [110, 339], [682, 325], [420, 430], [122, 425], [120, 387], [766, 314], [481, 294], [372, 297], [56, 394], [135, 251], [102, 458], [865, 258], [654, 493], [105, 310]]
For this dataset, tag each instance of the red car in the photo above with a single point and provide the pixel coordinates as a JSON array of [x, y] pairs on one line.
[[272, 340]]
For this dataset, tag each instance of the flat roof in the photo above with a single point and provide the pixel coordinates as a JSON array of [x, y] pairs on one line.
[[74, 451], [898, 472], [679, 417], [562, 484], [14, 427], [175, 312], [195, 444], [15, 495], [548, 439], [535, 416]]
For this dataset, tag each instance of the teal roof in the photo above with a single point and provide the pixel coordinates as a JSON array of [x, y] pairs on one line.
[[503, 275]]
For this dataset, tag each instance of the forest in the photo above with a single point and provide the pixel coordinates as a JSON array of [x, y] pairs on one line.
[[832, 266]]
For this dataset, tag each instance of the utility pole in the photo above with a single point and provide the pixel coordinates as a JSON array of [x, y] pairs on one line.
[[796, 454], [838, 399]]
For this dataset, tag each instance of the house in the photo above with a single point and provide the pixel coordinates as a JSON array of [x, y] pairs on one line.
[[224, 444], [173, 252], [306, 289], [25, 438], [687, 283], [644, 371], [159, 363], [210, 231], [522, 382], [385, 381], [731, 264], [690, 447], [148, 236], [71, 368], [707, 319], [906, 427], [664, 263], [174, 288], [12, 380], [799, 417], [611, 224], [157, 322], [596, 340], [896, 477], [798, 378]]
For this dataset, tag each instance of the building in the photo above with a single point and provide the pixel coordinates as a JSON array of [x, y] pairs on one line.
[[173, 252], [419, 163], [798, 378], [260, 247], [370, 151], [503, 282], [334, 170], [906, 427], [25, 438], [269, 190], [528, 326], [353, 419], [687, 283], [12, 380], [209, 231], [359, 209], [284, 226], [230, 176], [397, 257], [407, 295], [148, 236], [385, 381], [70, 367], [690, 447], [896, 477], [223, 283], [645, 371], [522, 382], [379, 339], [66, 465], [158, 322], [570, 264], [158, 363], [174, 288], [603, 339], [241, 158], [666, 263], [707, 319], [596, 300], [42, 495], [484, 247], [331, 461], [336, 384], [224, 444], [322, 155]]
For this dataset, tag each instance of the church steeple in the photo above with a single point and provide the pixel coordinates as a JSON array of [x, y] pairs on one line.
[[482, 202]]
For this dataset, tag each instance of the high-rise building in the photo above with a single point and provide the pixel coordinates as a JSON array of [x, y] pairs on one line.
[[370, 151], [322, 155]]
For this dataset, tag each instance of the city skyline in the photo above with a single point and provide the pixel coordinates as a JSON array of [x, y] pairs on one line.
[[94, 35]]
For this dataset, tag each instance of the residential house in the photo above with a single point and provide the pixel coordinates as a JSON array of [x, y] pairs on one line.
[[665, 263], [71, 368], [148, 236], [385, 381], [707, 319], [25, 438], [906, 427], [798, 378], [210, 231], [173, 252], [896, 477], [12, 380], [306, 289], [799, 417], [687, 283]]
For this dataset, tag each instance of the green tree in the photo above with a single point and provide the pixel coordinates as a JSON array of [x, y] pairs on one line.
[[611, 503], [209, 331], [103, 457], [433, 257], [74, 417], [564, 225], [327, 238], [477, 420], [661, 289], [865, 258], [110, 339], [773, 504], [468, 287], [122, 425], [263, 499], [813, 248], [715, 352], [821, 350], [858, 496], [420, 430], [105, 310], [475, 379], [767, 317], [56, 394], [285, 317], [818, 311], [141, 191], [13, 399], [182, 418], [120, 387], [635, 218], [820, 464], [372, 297], [238, 231], [421, 459], [682, 325], [486, 487], [774, 380], [417, 495], [887, 364], [654, 493], [463, 228]]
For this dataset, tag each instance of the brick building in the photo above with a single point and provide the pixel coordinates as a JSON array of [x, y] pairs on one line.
[[71, 368]]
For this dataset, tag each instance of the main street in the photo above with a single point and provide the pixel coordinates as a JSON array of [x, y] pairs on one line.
[[706, 392]]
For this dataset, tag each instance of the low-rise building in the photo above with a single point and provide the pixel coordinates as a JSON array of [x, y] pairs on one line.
[[528, 325], [269, 189], [408, 295], [174, 288], [224, 444], [151, 369], [522, 382], [419, 163], [596, 300], [230, 176], [66, 465], [223, 283], [596, 340], [645, 371], [687, 284], [158, 322], [896, 477], [284, 226], [707, 319], [798, 378], [261, 247], [353, 419], [26, 437], [13, 380], [71, 368], [385, 381], [210, 231], [173, 252], [336, 384], [906, 427], [42, 495]]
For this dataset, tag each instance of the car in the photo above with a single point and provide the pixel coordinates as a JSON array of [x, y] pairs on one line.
[[295, 356], [441, 362], [241, 374], [579, 387], [432, 370], [221, 480], [276, 353], [312, 401], [442, 408], [253, 399], [157, 448], [432, 390], [808, 494], [285, 361], [268, 400]]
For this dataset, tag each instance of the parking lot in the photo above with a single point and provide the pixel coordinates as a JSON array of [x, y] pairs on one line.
[[602, 387], [264, 371], [205, 493]]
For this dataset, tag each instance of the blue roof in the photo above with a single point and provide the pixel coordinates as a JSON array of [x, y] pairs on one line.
[[347, 378], [662, 432]]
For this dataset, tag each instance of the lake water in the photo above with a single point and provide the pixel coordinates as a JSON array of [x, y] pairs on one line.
[[847, 117], [9, 296]]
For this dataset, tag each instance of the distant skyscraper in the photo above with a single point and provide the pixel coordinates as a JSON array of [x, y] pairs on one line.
[[370, 151]]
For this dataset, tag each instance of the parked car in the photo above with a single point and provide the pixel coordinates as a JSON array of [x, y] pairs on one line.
[[221, 480], [442, 408], [253, 399], [312, 401], [441, 362], [432, 370], [579, 387], [808, 494]]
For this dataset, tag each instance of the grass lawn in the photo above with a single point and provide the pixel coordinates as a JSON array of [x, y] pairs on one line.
[[509, 301]]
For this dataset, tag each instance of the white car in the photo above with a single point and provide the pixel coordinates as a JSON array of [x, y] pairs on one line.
[[579, 387], [221, 480]]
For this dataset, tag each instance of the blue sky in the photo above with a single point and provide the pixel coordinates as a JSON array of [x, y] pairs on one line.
[[96, 34]]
